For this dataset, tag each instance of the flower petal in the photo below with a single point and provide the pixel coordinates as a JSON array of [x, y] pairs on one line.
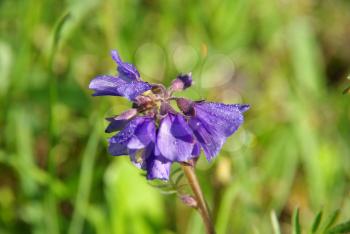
[[139, 156], [210, 141], [143, 135], [196, 150], [119, 122], [158, 167], [132, 133], [133, 89], [106, 85], [223, 118], [116, 149], [127, 71], [152, 161], [175, 139], [114, 86], [213, 123]]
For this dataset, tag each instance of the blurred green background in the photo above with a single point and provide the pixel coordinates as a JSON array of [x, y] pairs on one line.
[[288, 59]]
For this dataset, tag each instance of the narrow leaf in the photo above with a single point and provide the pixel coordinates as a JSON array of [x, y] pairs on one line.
[[316, 222], [170, 192], [295, 223], [331, 219], [178, 179], [58, 29], [161, 186], [177, 170]]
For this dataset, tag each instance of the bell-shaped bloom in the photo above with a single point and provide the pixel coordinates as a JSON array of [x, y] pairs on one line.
[[175, 138], [137, 139], [150, 160], [213, 122], [157, 166]]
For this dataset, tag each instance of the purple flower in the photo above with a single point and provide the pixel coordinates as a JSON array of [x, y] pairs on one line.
[[153, 133], [213, 122]]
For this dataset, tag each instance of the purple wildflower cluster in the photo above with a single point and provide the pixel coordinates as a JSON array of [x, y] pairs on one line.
[[152, 132]]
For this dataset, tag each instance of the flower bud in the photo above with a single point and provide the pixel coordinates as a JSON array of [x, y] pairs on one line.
[[188, 200], [186, 106], [181, 82]]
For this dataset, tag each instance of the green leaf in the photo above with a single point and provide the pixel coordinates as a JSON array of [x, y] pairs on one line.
[[57, 32], [331, 219], [340, 228], [85, 182], [160, 186], [316, 222], [58, 29], [178, 179], [295, 222], [177, 170], [170, 192]]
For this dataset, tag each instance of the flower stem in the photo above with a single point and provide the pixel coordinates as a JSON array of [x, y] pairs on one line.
[[197, 191]]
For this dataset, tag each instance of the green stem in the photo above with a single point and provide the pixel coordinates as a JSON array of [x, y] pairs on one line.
[[197, 191]]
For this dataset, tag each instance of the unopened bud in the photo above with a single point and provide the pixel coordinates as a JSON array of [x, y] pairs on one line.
[[188, 200], [186, 106], [181, 82]]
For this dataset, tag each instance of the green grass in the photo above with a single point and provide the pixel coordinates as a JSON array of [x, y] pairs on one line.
[[288, 59]]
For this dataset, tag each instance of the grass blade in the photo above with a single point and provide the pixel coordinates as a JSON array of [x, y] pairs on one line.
[[85, 180], [295, 222], [331, 220], [274, 221], [316, 222]]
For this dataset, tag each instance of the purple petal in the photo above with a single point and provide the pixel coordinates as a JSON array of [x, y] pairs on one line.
[[133, 89], [116, 149], [132, 133], [106, 85], [119, 122], [149, 159], [139, 157], [196, 150], [223, 118], [158, 167], [143, 135], [243, 107], [175, 141], [213, 123], [210, 141], [114, 86], [127, 71]]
